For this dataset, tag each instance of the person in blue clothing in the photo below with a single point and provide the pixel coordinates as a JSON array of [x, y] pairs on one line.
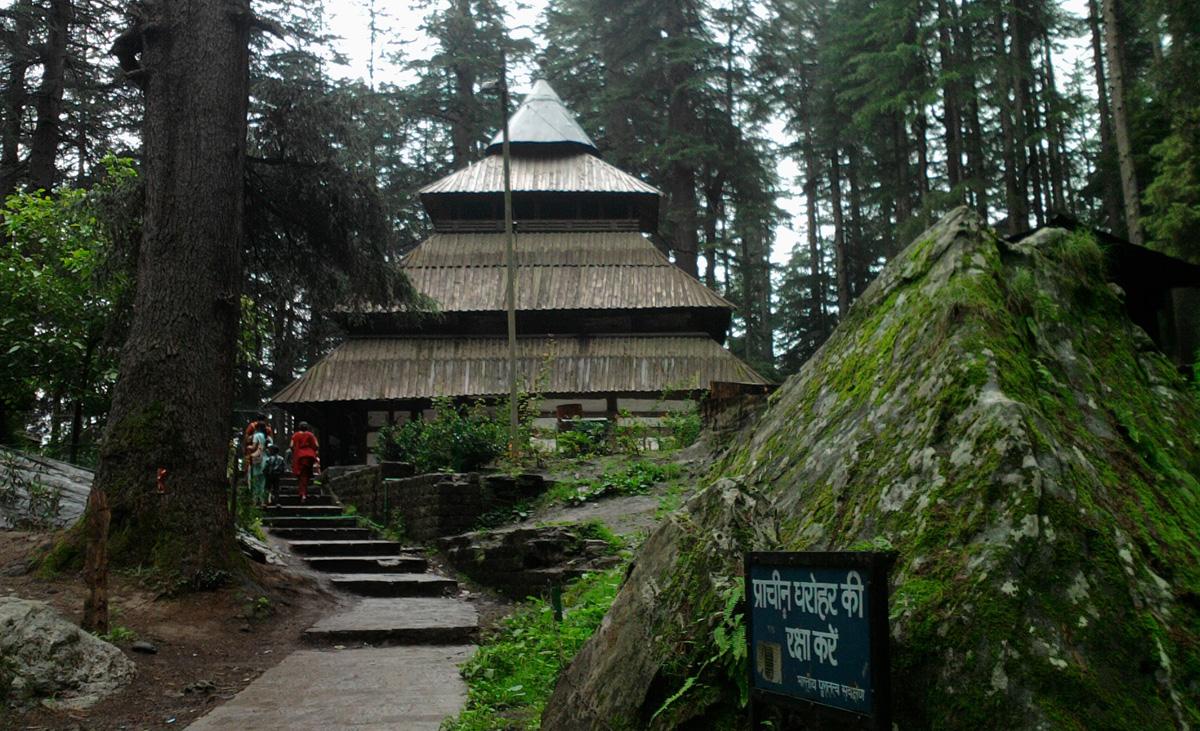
[[257, 457], [274, 469]]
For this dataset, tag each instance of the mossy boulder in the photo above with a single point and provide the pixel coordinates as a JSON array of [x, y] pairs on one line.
[[989, 412]]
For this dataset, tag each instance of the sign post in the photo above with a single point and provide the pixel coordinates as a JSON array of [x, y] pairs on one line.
[[817, 636]]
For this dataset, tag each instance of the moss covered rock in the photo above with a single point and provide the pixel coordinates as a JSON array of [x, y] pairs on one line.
[[989, 412]]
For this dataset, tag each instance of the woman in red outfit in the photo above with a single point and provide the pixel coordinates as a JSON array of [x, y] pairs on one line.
[[304, 457]]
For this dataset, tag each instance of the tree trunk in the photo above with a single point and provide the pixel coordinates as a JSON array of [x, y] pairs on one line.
[[841, 260], [973, 140], [1108, 151], [14, 102], [1120, 119], [1054, 133], [714, 207], [902, 192], [462, 130], [951, 103], [173, 401], [921, 136], [43, 151], [860, 271], [681, 171]]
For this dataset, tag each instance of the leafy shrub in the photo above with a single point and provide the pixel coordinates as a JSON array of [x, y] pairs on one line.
[[457, 438], [587, 438], [683, 428], [636, 479], [119, 634], [512, 675]]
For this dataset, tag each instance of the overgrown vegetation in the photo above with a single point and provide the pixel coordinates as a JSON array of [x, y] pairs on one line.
[[512, 675], [636, 478], [460, 438]]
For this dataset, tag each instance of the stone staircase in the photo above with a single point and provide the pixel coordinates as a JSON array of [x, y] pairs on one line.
[[403, 602]]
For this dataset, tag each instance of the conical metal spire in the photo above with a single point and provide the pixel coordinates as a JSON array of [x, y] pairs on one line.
[[543, 119]]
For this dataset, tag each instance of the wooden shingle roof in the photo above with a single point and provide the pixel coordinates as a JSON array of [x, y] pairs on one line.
[[555, 271], [576, 172], [417, 367]]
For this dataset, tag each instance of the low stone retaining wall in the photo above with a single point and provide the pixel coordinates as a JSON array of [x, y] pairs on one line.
[[435, 504], [527, 561]]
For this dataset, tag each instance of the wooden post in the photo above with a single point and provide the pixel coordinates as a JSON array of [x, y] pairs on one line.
[[510, 266], [95, 565]]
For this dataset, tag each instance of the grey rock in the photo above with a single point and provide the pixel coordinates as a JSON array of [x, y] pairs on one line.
[[146, 648], [54, 661], [990, 412]]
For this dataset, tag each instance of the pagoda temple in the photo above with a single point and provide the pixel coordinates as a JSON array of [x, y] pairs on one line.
[[606, 323]]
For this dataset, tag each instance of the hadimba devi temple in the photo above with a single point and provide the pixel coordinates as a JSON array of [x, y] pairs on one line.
[[606, 323]]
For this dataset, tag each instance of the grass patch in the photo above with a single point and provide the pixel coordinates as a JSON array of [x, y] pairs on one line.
[[513, 674], [634, 479]]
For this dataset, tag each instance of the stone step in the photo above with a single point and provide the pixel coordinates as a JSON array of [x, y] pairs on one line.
[[405, 620], [394, 585], [322, 534], [347, 548], [368, 564], [298, 511], [286, 499], [288, 521]]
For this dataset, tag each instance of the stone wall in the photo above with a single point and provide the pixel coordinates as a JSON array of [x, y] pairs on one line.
[[436, 504], [432, 505], [362, 489], [524, 561]]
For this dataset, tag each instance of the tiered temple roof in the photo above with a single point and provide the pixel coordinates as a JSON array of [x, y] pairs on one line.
[[601, 311]]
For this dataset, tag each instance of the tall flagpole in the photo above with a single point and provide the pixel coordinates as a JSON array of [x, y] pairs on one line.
[[510, 266]]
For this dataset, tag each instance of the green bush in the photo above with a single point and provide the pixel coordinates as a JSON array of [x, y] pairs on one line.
[[635, 479], [512, 675], [683, 428], [587, 438], [457, 438]]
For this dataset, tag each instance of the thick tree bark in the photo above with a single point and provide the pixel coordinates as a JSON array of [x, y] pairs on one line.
[[172, 404], [1116, 76], [43, 150]]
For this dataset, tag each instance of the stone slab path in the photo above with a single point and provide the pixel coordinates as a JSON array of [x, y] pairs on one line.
[[409, 688], [348, 681]]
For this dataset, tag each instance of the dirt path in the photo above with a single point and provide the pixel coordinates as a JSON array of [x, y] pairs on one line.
[[209, 646]]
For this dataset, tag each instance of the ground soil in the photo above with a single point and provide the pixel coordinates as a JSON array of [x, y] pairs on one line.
[[210, 645]]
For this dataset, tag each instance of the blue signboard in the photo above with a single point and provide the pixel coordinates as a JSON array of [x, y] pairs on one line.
[[818, 631]]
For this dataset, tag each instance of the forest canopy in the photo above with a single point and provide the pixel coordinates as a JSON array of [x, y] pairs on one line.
[[833, 128]]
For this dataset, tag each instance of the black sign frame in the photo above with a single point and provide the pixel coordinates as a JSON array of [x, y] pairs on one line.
[[876, 566]]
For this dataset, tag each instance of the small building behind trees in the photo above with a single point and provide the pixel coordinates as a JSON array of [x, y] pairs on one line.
[[606, 324]]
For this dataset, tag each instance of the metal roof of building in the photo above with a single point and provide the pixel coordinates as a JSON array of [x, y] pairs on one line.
[[397, 368], [543, 119], [562, 173], [555, 271]]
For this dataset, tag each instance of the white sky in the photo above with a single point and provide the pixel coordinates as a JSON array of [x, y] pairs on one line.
[[399, 27]]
